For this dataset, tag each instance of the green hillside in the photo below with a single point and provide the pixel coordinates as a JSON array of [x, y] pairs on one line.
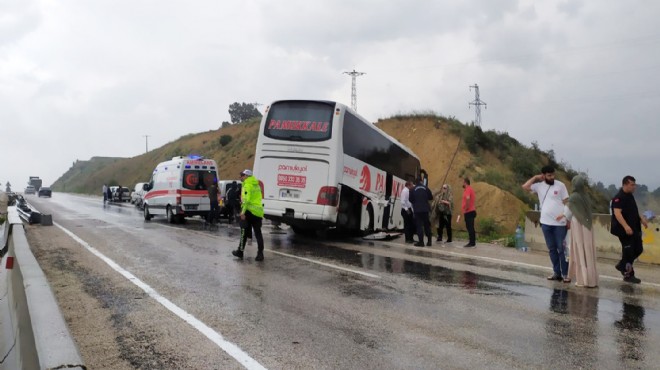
[[488, 157], [232, 147]]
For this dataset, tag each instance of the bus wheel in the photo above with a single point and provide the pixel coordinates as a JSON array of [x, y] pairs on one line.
[[145, 211], [302, 231], [171, 217]]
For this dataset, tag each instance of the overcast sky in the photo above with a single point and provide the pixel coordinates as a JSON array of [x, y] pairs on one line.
[[91, 78]]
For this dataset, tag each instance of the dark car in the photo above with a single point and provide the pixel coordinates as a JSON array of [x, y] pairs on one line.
[[125, 194], [45, 191]]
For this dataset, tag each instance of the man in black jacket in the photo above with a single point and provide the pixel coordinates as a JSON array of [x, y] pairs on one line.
[[627, 225], [420, 197]]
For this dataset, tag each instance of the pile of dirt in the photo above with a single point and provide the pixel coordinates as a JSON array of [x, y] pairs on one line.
[[435, 145]]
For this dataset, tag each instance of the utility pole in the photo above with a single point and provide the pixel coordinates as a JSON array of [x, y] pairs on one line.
[[477, 103], [146, 143], [353, 75]]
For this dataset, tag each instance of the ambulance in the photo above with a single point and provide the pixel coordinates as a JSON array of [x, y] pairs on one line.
[[179, 188]]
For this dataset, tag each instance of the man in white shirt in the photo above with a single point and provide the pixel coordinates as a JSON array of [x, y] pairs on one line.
[[407, 212], [552, 197]]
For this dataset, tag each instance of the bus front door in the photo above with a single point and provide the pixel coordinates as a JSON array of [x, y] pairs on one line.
[[387, 216]]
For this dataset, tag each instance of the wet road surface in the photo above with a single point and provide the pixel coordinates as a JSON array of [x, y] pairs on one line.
[[336, 302]]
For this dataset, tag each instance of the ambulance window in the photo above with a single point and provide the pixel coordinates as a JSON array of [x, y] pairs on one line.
[[190, 180], [198, 180]]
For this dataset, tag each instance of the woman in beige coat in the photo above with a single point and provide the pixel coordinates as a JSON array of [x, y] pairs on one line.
[[582, 249]]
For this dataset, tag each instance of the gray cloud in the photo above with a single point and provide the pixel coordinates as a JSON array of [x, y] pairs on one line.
[[90, 78]]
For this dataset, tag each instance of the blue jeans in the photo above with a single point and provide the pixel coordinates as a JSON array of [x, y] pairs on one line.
[[554, 239]]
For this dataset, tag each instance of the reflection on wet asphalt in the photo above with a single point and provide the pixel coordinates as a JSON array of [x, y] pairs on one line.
[[435, 274], [575, 328]]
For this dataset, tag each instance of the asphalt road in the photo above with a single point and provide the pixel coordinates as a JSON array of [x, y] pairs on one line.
[[176, 298]]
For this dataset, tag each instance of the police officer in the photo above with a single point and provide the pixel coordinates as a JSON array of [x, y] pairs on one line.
[[252, 213]]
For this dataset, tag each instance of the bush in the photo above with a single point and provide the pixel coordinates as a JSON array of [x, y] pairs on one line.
[[225, 139], [488, 227], [2, 219]]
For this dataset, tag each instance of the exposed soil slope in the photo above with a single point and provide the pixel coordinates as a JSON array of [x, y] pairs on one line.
[[431, 140]]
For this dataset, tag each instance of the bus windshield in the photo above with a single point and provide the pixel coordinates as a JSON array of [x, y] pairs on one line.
[[299, 121]]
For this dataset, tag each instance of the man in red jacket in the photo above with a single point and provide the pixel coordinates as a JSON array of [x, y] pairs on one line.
[[469, 212]]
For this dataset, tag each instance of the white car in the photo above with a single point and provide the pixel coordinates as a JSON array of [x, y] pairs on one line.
[[137, 195], [30, 190]]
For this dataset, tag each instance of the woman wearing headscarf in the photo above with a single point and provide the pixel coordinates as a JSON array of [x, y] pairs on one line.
[[442, 207], [582, 266]]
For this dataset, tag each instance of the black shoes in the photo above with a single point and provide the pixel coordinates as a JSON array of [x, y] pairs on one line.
[[555, 277], [410, 241], [468, 245], [632, 279], [239, 253], [428, 244], [419, 244]]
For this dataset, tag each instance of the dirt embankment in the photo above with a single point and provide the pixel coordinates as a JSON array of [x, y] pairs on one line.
[[435, 145]]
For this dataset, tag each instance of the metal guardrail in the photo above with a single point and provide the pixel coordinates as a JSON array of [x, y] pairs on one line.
[[34, 333]]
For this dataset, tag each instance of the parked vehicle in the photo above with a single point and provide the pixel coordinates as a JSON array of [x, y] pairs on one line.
[[45, 191], [125, 194], [223, 186], [30, 190], [178, 188], [322, 165], [138, 194]]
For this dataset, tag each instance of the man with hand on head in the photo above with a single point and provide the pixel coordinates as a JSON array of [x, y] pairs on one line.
[[552, 195]]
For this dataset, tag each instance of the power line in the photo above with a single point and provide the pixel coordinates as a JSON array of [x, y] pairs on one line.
[[477, 102], [353, 75]]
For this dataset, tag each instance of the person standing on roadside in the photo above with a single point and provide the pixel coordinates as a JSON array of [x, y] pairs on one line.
[[442, 207], [552, 195], [105, 193], [120, 193], [469, 210], [108, 193], [582, 248], [213, 201], [627, 226], [252, 213], [232, 201], [419, 198], [407, 212]]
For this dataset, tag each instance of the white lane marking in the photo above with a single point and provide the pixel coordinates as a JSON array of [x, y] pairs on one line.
[[324, 264], [217, 338]]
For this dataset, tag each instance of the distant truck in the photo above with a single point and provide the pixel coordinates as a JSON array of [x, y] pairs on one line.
[[35, 181]]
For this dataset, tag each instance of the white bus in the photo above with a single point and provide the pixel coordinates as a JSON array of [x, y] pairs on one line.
[[322, 166]]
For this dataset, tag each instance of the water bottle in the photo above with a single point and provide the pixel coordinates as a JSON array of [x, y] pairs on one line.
[[520, 239]]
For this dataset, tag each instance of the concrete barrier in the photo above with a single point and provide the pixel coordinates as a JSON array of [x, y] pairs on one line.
[[607, 245], [34, 333]]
